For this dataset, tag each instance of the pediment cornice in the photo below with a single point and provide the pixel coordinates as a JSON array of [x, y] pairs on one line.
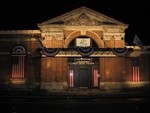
[[82, 16]]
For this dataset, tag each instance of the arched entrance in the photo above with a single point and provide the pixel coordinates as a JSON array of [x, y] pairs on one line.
[[83, 71]]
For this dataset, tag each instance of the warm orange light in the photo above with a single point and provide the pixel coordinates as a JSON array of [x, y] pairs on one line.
[[135, 74], [17, 81], [18, 69], [71, 78], [95, 78]]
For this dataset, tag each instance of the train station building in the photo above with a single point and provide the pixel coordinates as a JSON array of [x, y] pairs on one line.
[[79, 49]]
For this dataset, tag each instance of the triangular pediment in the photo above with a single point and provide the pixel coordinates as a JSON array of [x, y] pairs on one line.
[[82, 16]]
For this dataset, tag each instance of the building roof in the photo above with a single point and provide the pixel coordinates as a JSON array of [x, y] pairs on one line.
[[82, 16]]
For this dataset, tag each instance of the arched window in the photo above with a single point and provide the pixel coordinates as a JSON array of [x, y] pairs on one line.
[[18, 61]]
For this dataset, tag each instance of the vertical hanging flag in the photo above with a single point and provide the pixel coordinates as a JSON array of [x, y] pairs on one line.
[[137, 42]]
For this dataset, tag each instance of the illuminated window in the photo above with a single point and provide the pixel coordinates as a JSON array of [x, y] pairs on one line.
[[135, 70], [18, 58]]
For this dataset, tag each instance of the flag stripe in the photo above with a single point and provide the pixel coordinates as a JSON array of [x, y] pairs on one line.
[[18, 68]]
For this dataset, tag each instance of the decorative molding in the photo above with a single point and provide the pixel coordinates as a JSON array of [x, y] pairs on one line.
[[52, 36], [82, 20], [81, 16], [83, 32], [20, 32], [18, 51], [114, 28], [71, 34], [116, 36]]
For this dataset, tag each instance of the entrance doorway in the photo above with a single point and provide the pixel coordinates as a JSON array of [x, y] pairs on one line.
[[82, 76], [83, 73]]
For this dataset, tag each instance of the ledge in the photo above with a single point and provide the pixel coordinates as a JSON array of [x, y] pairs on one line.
[[17, 81]]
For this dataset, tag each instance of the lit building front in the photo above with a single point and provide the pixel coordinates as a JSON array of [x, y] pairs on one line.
[[80, 49]]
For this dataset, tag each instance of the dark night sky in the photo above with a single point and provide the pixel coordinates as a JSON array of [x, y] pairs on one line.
[[25, 14]]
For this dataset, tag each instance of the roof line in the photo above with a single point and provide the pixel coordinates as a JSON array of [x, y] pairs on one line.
[[83, 8], [20, 32]]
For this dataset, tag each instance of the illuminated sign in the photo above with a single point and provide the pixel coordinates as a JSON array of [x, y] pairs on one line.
[[83, 42]]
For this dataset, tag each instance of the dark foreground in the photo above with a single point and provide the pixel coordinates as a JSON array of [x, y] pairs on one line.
[[60, 103]]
